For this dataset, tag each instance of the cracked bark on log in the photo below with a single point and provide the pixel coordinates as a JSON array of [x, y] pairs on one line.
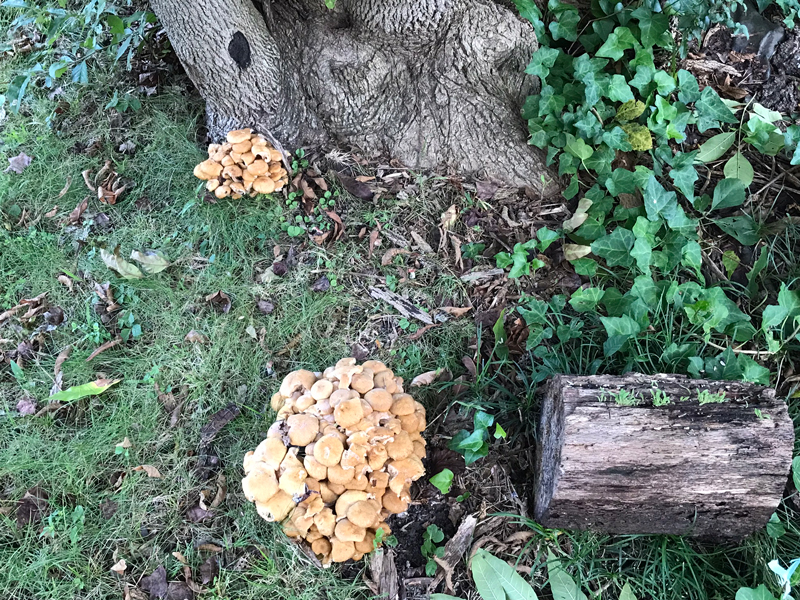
[[427, 81], [715, 471]]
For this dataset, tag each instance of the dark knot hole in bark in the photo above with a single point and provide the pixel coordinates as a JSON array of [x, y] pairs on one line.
[[239, 49]]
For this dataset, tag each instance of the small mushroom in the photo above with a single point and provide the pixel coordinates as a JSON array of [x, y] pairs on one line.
[[243, 146], [348, 412], [363, 514], [264, 185], [339, 475], [404, 471], [208, 169], [239, 135], [271, 452], [260, 484], [362, 382], [328, 450], [315, 469], [303, 429], [292, 478], [347, 499], [321, 547], [366, 545], [342, 551], [379, 399], [325, 521], [301, 380], [276, 508], [349, 532], [321, 390], [393, 503], [400, 447]]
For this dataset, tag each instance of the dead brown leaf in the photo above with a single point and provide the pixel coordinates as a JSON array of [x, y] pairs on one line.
[[209, 570], [65, 281], [26, 405], [210, 548], [222, 491], [75, 216], [220, 301], [338, 230], [120, 566], [52, 212], [455, 311], [155, 583], [373, 238], [389, 255], [448, 218], [150, 470], [109, 344], [32, 506], [423, 246], [195, 337], [426, 378], [197, 514], [356, 188], [421, 331], [125, 443], [180, 558]]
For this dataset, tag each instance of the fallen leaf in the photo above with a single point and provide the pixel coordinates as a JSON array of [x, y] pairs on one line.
[[426, 378], [108, 509], [355, 187], [32, 506], [389, 255], [575, 251], [180, 558], [177, 590], [155, 583], [280, 268], [127, 146], [195, 337], [220, 301], [65, 281], [222, 491], [52, 213], [75, 216], [470, 366], [209, 569], [125, 443], [456, 311], [150, 470], [423, 246], [421, 331], [486, 190], [251, 331], [210, 548], [265, 306], [215, 424], [579, 217], [322, 284], [197, 514], [448, 218], [152, 261], [77, 392], [103, 347], [65, 189], [18, 163], [115, 262], [120, 566], [373, 238], [26, 405], [339, 226]]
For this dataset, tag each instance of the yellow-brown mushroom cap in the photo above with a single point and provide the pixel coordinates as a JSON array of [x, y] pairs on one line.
[[328, 450], [349, 532], [238, 135], [303, 429]]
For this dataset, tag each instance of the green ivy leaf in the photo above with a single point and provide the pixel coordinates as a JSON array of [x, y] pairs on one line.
[[615, 248], [585, 266], [738, 167], [653, 26], [753, 372], [617, 139], [692, 257], [530, 11], [711, 110], [542, 61], [443, 481], [728, 193], [618, 41], [562, 585], [743, 228], [550, 103], [665, 83], [621, 181], [714, 147], [759, 593], [586, 299], [684, 179], [578, 148], [619, 90], [730, 261], [619, 330], [546, 237], [642, 253], [689, 88], [657, 199], [566, 27]]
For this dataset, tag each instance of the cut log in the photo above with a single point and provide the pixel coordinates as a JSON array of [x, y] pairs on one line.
[[666, 455]]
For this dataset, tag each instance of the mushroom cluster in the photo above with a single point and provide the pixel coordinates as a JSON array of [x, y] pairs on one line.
[[245, 164], [339, 459]]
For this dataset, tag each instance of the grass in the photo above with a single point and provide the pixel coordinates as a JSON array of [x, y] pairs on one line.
[[226, 246]]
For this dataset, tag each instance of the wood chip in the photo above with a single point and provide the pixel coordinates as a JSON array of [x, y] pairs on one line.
[[404, 306]]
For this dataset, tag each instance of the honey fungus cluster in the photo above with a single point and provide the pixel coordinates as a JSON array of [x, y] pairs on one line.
[[339, 459]]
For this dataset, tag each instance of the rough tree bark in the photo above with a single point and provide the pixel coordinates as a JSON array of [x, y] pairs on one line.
[[716, 470], [427, 81]]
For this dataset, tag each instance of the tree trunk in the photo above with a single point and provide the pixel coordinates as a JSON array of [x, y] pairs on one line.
[[714, 470], [430, 82]]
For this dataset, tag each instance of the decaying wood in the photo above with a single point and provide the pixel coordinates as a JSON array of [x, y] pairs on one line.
[[454, 550], [383, 575], [404, 307], [715, 470]]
